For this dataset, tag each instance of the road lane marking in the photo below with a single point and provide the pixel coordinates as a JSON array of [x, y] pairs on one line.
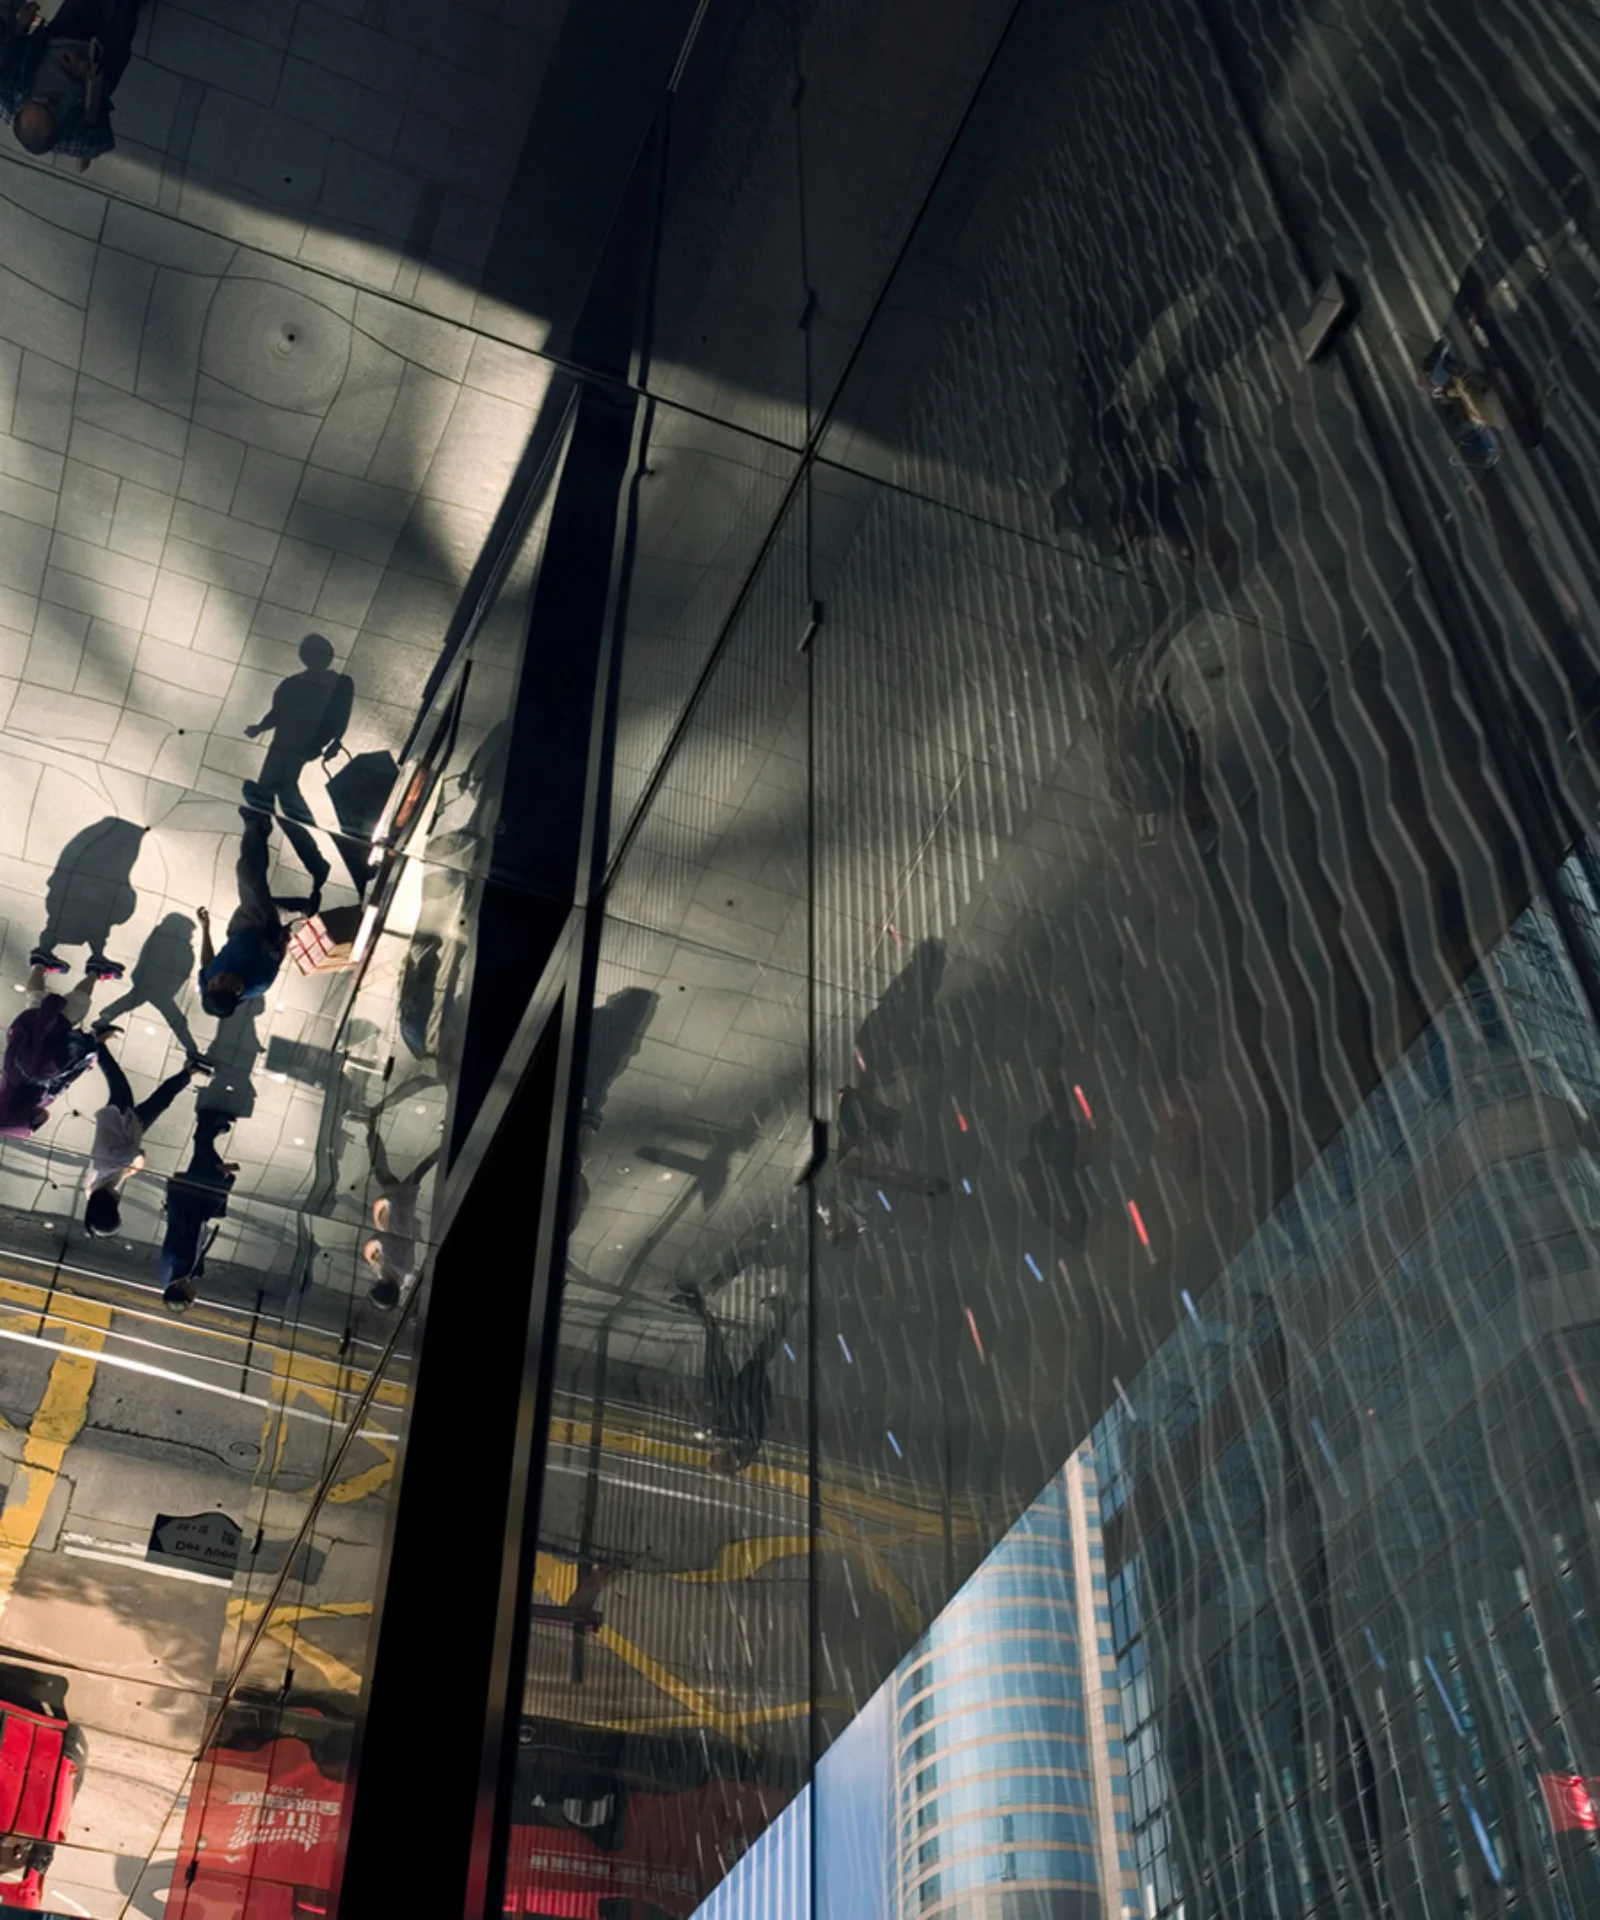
[[927, 1521], [167, 1373], [128, 1295], [142, 1565], [23, 1301], [55, 1425]]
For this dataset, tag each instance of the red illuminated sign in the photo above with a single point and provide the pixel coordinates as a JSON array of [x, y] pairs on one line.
[[1573, 1801]]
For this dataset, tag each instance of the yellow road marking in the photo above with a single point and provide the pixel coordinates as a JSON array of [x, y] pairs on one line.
[[327, 1383], [359, 1485], [284, 1625], [885, 1579], [925, 1521], [249, 1610], [341, 1678], [744, 1559], [741, 1722], [556, 1579], [703, 1711], [103, 1291], [53, 1428]]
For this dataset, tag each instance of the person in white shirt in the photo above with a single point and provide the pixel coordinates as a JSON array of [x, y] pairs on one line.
[[119, 1130]]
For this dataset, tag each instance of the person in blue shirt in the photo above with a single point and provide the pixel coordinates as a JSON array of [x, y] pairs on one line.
[[257, 939]]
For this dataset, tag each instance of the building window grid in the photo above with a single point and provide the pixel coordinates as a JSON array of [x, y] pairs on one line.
[[1446, 1537], [1025, 1680]]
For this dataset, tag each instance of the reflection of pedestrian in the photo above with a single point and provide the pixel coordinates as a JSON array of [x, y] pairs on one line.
[[307, 720], [46, 1048], [392, 1251], [195, 1197], [57, 76], [164, 964], [257, 939], [739, 1398], [119, 1130]]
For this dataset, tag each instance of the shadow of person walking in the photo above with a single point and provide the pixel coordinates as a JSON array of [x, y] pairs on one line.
[[91, 891], [616, 1033], [307, 720], [233, 1054], [162, 970]]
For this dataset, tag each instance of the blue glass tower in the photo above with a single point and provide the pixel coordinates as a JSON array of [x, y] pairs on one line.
[[1009, 1764]]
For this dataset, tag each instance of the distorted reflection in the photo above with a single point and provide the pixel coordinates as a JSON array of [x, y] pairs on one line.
[[1073, 1386]]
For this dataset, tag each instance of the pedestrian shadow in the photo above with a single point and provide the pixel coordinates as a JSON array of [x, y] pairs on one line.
[[234, 1051], [165, 965], [91, 891], [616, 1033], [310, 709], [306, 721], [301, 1060], [900, 1033]]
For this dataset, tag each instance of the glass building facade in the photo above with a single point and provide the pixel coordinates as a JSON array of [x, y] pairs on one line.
[[1345, 1493], [875, 1194]]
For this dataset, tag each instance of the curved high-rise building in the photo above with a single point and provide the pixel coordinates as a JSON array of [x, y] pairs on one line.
[[1008, 1751]]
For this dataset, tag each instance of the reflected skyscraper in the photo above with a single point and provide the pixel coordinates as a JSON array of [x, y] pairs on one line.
[[1011, 1801], [1348, 1522]]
